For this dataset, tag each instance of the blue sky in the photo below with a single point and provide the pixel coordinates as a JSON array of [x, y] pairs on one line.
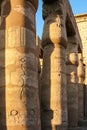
[[78, 7]]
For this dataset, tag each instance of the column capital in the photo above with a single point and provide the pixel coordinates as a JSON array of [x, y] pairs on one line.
[[6, 5], [54, 31], [51, 8], [34, 2]]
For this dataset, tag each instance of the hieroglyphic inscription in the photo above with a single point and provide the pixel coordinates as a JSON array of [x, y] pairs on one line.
[[14, 117], [19, 37]]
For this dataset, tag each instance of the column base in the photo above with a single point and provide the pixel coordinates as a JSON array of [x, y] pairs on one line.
[[83, 123], [78, 128]]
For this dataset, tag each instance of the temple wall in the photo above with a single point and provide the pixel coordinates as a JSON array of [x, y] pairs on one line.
[[82, 26], [81, 20]]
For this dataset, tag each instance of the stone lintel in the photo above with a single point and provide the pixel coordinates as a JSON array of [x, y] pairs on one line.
[[72, 30], [72, 26], [81, 17]]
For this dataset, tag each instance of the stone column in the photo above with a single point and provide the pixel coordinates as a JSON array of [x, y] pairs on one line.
[[20, 68], [81, 76], [85, 87], [72, 81], [53, 86]]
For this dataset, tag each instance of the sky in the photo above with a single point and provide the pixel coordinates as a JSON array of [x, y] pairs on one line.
[[78, 7]]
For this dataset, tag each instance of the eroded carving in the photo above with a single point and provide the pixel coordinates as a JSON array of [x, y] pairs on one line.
[[19, 118], [22, 76]]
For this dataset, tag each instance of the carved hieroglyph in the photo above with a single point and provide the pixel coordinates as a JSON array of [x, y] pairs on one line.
[[19, 109]]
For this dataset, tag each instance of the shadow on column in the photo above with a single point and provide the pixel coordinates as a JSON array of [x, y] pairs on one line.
[[46, 112], [4, 11], [29, 66]]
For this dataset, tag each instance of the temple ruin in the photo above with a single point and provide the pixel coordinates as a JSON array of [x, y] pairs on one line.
[[43, 83]]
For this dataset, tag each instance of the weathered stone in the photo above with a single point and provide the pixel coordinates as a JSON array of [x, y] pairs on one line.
[[54, 30], [13, 34], [58, 26], [72, 82], [53, 88], [81, 20], [61, 85], [19, 67], [81, 77]]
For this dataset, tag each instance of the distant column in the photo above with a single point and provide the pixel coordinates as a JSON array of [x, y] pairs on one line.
[[53, 86], [72, 81], [21, 68], [81, 76]]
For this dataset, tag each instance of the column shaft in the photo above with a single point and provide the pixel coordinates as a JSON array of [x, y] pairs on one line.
[[72, 82], [20, 69], [53, 86], [81, 76]]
